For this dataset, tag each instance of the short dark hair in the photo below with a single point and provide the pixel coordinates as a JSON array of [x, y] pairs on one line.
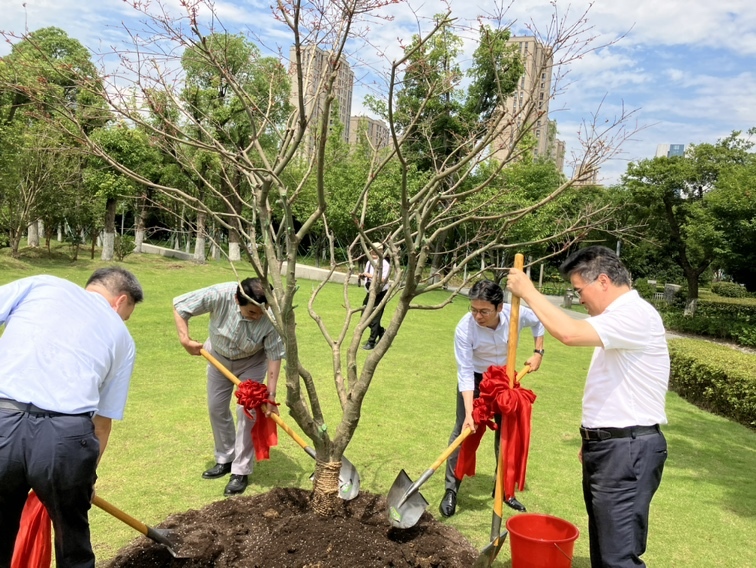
[[117, 281], [251, 288], [590, 262], [487, 291]]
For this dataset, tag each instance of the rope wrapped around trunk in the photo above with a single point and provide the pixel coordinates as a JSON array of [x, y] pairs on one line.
[[252, 395], [326, 488], [515, 406]]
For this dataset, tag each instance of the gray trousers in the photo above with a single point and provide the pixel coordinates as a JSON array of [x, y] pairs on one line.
[[233, 444], [451, 464]]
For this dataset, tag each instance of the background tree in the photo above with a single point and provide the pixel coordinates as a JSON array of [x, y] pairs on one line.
[[668, 194], [46, 69], [733, 204]]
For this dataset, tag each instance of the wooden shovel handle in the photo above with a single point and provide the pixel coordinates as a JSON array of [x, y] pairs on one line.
[[453, 446], [221, 367], [234, 379], [514, 327], [120, 515]]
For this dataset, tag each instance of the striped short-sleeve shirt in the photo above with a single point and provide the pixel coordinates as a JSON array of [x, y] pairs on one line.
[[231, 335]]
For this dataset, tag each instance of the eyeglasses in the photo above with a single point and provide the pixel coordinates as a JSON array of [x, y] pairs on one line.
[[485, 313], [579, 291]]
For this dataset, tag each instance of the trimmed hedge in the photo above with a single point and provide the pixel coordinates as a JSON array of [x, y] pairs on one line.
[[729, 290], [715, 377], [741, 309]]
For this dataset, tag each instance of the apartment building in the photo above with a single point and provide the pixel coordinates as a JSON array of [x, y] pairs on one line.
[[529, 105], [316, 69], [376, 131]]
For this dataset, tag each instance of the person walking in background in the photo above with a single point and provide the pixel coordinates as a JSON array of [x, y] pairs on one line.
[[480, 341], [376, 259], [243, 339], [623, 450], [66, 359]]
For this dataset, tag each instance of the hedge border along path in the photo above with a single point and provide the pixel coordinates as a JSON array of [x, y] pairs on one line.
[[715, 377]]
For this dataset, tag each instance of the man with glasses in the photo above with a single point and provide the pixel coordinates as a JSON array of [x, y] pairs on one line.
[[243, 338], [481, 340], [623, 450]]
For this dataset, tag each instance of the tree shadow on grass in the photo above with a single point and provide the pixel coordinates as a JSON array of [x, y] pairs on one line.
[[282, 471]]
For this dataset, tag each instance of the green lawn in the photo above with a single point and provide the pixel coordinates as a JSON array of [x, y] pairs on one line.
[[703, 515]]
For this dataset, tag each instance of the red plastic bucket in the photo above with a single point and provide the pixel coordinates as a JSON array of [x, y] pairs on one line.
[[541, 541]]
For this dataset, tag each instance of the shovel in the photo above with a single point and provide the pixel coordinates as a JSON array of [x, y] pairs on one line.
[[405, 504], [491, 550], [161, 536], [349, 479]]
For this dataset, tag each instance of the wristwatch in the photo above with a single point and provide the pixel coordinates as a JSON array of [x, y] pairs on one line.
[[539, 351]]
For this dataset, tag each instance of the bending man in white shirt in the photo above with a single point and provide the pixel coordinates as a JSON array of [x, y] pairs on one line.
[[481, 340]]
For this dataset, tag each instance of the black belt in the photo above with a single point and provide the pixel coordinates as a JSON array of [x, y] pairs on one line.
[[609, 433], [10, 404]]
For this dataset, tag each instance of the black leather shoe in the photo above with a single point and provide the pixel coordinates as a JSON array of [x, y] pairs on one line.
[[448, 504], [218, 470], [369, 346], [515, 504], [237, 485]]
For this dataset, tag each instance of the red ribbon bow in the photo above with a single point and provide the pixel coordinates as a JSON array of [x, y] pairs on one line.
[[252, 395], [515, 406]]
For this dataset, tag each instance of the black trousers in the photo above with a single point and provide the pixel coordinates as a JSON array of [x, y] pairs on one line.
[[620, 477], [376, 330], [57, 457], [451, 463]]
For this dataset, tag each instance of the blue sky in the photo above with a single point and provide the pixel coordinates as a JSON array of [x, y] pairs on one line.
[[687, 66]]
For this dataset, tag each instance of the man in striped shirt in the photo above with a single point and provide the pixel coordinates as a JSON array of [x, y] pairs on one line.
[[242, 337]]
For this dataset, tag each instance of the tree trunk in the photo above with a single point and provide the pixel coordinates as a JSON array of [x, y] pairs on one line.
[[692, 302], [15, 241], [325, 489], [141, 223], [108, 240], [33, 235], [199, 246]]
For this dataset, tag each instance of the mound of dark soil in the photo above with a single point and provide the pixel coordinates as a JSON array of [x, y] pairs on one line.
[[279, 530]]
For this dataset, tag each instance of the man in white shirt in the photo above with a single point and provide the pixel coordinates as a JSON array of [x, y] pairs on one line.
[[623, 450], [480, 341], [376, 259], [66, 359]]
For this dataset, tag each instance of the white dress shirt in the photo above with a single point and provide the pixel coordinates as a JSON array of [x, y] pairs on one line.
[[628, 378], [477, 347]]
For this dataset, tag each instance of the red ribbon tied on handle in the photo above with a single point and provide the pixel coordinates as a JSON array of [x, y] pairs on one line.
[[515, 406], [252, 395]]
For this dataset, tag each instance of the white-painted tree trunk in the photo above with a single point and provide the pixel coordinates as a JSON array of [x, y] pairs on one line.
[[234, 252], [32, 235], [60, 233], [199, 250], [108, 245], [138, 240]]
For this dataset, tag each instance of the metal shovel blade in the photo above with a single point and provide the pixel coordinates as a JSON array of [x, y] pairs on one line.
[[405, 506], [161, 536], [349, 480], [490, 552], [166, 538]]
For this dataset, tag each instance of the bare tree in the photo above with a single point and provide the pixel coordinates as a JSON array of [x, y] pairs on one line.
[[255, 198]]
